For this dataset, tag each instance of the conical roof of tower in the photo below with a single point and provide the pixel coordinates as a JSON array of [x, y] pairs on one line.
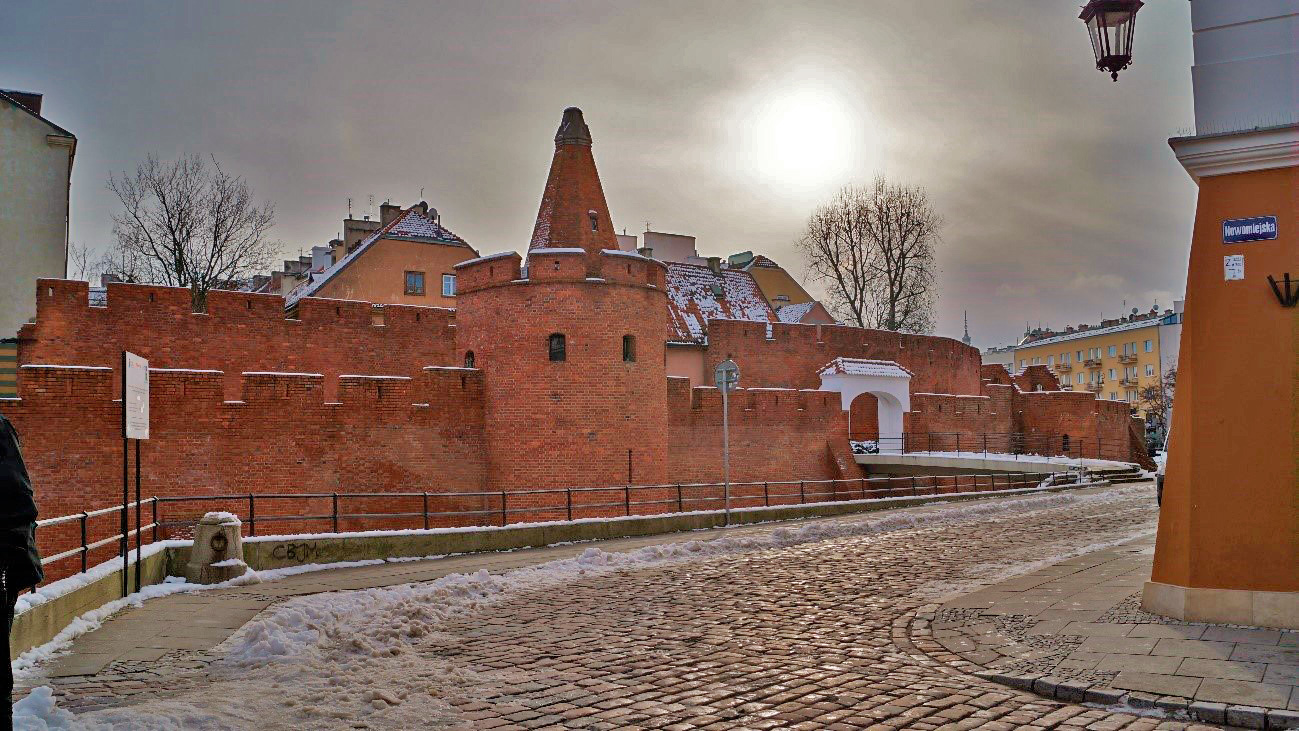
[[573, 211]]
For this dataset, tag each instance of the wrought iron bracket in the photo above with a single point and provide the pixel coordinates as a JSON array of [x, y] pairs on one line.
[[1286, 294]]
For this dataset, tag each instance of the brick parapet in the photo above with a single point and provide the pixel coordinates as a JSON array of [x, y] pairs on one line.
[[240, 332]]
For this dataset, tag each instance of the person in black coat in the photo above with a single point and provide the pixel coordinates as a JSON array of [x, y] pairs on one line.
[[20, 564]]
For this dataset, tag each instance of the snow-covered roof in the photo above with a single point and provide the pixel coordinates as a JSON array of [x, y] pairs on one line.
[[1091, 332], [410, 225], [697, 295], [794, 313], [863, 367]]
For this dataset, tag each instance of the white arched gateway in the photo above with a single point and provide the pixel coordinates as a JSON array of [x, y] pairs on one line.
[[889, 382]]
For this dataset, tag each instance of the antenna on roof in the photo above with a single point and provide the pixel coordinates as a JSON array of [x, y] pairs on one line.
[[647, 226], [370, 211], [349, 207], [421, 192]]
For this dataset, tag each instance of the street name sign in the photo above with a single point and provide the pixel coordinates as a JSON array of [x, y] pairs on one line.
[[1240, 230]]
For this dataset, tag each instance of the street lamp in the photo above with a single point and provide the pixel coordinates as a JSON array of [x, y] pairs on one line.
[[1110, 24]]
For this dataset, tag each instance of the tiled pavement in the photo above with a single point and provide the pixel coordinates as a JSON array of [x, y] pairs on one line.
[[1076, 628], [818, 635]]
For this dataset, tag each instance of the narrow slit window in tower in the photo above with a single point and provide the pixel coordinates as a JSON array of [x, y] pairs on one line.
[[558, 348]]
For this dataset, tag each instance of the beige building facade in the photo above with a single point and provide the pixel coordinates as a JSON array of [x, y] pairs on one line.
[[1114, 360], [35, 173]]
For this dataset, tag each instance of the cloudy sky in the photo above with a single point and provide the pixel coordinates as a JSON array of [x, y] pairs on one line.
[[729, 121]]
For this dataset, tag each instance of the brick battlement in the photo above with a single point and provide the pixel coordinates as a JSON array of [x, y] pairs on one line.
[[561, 265], [793, 353], [240, 332]]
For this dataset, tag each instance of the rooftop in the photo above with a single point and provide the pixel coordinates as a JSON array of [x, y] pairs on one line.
[[697, 294], [411, 225]]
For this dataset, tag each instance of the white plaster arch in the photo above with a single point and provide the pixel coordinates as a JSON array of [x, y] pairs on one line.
[[889, 382]]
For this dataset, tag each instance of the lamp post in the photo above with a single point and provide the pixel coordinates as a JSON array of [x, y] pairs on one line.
[[1110, 25]]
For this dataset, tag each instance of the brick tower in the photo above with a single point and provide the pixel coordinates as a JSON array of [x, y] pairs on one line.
[[571, 345]]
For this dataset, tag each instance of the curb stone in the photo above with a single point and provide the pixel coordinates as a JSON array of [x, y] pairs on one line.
[[1247, 716]]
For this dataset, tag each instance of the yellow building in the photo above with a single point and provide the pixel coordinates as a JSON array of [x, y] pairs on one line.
[[1114, 360]]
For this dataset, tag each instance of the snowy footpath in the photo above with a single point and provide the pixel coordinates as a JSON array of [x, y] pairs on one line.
[[691, 630]]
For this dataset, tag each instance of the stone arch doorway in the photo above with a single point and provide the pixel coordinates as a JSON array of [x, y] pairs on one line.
[[884, 381]]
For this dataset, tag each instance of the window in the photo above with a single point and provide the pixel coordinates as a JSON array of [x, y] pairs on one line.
[[628, 349], [415, 283], [1112, 351], [1150, 370], [1050, 360], [558, 348], [1080, 377], [448, 285], [1111, 374], [1064, 358], [1037, 361], [1080, 358], [1023, 364], [595, 220], [1149, 346], [1114, 396], [469, 359]]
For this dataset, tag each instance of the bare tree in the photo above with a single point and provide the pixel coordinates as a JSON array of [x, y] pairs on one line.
[[1156, 400], [873, 249], [188, 224]]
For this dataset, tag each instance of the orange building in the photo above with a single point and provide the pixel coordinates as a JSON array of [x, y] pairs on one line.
[[409, 260], [1228, 544]]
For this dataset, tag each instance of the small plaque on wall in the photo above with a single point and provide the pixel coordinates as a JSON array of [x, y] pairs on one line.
[[1233, 267]]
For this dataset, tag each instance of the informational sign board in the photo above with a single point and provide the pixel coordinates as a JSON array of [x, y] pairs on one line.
[[727, 376], [135, 397], [1240, 230], [1233, 267]]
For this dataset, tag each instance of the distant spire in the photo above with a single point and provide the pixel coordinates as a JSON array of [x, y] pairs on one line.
[[966, 339]]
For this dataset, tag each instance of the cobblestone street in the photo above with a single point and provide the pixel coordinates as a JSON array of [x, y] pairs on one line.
[[813, 635]]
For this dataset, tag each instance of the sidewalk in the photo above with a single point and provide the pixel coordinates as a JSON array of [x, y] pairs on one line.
[[1075, 631]]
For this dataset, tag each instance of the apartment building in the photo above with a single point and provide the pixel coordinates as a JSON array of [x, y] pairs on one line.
[[1114, 360]]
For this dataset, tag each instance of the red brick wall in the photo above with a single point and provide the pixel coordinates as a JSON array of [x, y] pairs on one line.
[[240, 332], [1037, 378], [581, 421], [383, 435], [795, 353], [865, 417], [776, 434]]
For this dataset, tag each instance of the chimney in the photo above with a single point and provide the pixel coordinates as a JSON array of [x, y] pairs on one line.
[[29, 99], [422, 207], [646, 252], [715, 264], [387, 213]]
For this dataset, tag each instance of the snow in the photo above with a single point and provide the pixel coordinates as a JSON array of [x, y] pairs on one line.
[[489, 257], [223, 517], [68, 367], [692, 300], [863, 367], [794, 313], [278, 373], [448, 368], [228, 563], [377, 378], [183, 370], [544, 251], [620, 252], [347, 655]]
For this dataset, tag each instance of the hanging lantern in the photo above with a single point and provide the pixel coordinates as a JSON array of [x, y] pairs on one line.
[[1111, 24]]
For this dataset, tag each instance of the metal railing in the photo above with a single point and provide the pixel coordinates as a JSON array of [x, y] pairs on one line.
[[1015, 444], [503, 507]]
